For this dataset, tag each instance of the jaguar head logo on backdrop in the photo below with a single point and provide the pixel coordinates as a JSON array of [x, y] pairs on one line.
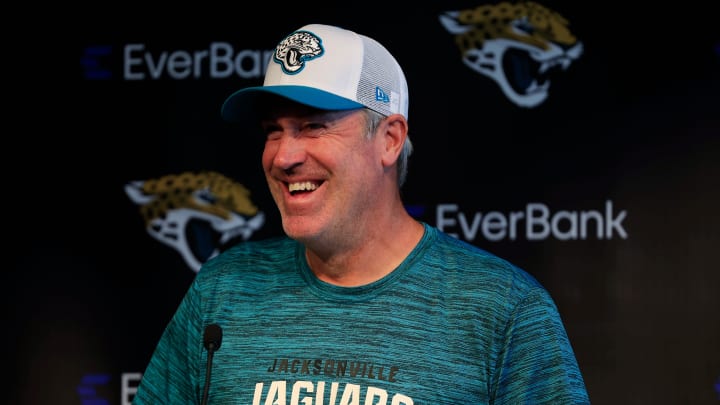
[[518, 45], [197, 214]]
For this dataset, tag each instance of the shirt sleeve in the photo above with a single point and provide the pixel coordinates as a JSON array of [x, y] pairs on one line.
[[172, 375], [538, 365]]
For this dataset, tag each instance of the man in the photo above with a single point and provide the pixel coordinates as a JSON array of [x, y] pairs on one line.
[[360, 303]]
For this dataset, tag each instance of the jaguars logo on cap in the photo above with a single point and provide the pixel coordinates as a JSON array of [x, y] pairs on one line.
[[296, 49]]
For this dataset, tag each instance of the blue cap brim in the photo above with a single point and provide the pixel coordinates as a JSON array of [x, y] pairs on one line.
[[240, 105]]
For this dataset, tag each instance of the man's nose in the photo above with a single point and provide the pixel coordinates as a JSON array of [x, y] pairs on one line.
[[290, 151]]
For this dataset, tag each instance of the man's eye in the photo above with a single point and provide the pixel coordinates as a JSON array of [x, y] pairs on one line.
[[313, 126], [313, 129], [271, 130]]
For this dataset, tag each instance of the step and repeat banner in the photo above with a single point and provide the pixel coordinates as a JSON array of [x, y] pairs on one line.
[[581, 142]]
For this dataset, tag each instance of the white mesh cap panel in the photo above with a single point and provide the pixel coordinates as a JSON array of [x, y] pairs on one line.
[[381, 71]]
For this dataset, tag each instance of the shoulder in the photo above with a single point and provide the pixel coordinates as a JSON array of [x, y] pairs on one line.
[[468, 257], [251, 256], [481, 286], [471, 265]]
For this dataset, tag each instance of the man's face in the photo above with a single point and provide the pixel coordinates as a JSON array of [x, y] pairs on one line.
[[322, 170]]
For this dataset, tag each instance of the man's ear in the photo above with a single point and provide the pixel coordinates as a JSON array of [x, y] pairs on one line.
[[395, 130]]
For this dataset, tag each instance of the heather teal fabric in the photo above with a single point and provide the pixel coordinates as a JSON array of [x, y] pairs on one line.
[[453, 324]]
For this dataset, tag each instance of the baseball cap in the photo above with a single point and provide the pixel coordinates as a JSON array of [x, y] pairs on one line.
[[329, 68]]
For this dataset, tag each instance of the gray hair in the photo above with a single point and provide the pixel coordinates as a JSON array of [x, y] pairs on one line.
[[373, 120]]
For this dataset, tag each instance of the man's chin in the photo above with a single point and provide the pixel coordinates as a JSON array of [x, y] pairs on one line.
[[300, 228]]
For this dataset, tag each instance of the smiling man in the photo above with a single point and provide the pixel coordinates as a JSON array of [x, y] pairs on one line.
[[359, 303]]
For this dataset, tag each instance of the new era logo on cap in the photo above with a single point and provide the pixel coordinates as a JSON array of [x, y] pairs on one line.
[[381, 96]]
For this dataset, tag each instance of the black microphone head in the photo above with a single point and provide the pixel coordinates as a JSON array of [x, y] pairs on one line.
[[212, 337]]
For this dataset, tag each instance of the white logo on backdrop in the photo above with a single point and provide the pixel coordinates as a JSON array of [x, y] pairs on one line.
[[516, 45]]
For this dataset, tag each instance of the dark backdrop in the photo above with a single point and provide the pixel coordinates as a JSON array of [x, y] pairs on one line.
[[634, 122]]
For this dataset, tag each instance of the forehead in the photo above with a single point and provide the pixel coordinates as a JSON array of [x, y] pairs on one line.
[[271, 108]]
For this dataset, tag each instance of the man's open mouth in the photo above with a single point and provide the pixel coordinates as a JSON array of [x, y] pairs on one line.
[[302, 186]]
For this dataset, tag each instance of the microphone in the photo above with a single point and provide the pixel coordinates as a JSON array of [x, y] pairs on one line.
[[211, 340]]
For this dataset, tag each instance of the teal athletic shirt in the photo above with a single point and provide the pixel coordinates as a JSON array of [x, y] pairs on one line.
[[453, 324]]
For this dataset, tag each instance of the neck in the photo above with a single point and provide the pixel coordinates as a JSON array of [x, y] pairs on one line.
[[376, 254]]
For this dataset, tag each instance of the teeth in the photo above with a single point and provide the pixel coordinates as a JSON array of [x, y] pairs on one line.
[[304, 186]]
